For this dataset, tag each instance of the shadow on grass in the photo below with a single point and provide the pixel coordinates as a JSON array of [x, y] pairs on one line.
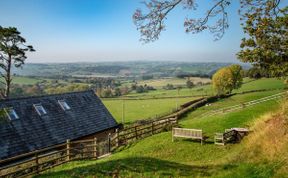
[[139, 167]]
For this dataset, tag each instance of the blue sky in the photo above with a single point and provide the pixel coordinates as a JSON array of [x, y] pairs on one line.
[[103, 30]]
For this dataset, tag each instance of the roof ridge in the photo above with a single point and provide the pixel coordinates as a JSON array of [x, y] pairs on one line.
[[47, 95]]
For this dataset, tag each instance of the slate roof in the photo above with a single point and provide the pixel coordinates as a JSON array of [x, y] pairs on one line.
[[87, 115]]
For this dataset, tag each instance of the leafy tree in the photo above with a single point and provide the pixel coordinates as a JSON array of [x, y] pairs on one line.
[[12, 52], [178, 89], [225, 80], [189, 84], [117, 92], [256, 73], [152, 23], [140, 89], [107, 92], [124, 90], [266, 46], [169, 87], [237, 73]]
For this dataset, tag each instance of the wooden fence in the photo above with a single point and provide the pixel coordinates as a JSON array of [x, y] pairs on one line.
[[38, 161], [244, 105]]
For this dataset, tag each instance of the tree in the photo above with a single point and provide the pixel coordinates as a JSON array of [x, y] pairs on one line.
[[117, 92], [237, 74], [266, 46], [178, 89], [225, 80], [152, 23], [12, 52], [189, 84], [256, 73], [169, 87]]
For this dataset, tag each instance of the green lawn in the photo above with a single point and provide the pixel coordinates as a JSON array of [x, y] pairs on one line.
[[142, 109]]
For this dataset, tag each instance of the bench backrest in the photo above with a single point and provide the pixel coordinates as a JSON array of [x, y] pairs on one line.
[[193, 133]]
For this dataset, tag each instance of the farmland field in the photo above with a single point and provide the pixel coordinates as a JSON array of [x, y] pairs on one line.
[[25, 80], [159, 83], [142, 109]]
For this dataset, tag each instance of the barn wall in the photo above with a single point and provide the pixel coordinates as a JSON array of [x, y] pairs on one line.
[[100, 136]]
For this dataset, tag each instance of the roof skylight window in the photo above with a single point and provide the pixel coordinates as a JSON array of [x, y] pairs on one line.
[[11, 113], [64, 105], [40, 109]]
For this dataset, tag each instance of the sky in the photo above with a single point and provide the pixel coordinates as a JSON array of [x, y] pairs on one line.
[[103, 30]]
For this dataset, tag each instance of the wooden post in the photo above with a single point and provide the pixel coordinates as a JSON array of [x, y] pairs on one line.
[[37, 163], [152, 128], [109, 142], [136, 135], [68, 150], [95, 148], [117, 138]]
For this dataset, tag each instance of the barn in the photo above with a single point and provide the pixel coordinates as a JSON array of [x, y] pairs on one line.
[[33, 123]]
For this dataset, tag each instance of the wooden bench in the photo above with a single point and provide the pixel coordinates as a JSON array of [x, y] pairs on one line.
[[188, 133]]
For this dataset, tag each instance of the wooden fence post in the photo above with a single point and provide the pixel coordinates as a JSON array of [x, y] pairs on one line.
[[95, 148], [109, 142], [152, 128], [117, 138], [68, 150], [37, 163], [136, 134]]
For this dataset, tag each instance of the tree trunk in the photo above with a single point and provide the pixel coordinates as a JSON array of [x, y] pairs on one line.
[[8, 77]]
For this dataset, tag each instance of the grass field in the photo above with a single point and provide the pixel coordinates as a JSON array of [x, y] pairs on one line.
[[143, 109], [198, 91], [159, 83], [25, 80]]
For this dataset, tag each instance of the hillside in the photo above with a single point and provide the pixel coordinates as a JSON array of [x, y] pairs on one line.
[[261, 154]]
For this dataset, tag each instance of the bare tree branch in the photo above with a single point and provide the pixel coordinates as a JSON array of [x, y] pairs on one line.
[[152, 23]]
